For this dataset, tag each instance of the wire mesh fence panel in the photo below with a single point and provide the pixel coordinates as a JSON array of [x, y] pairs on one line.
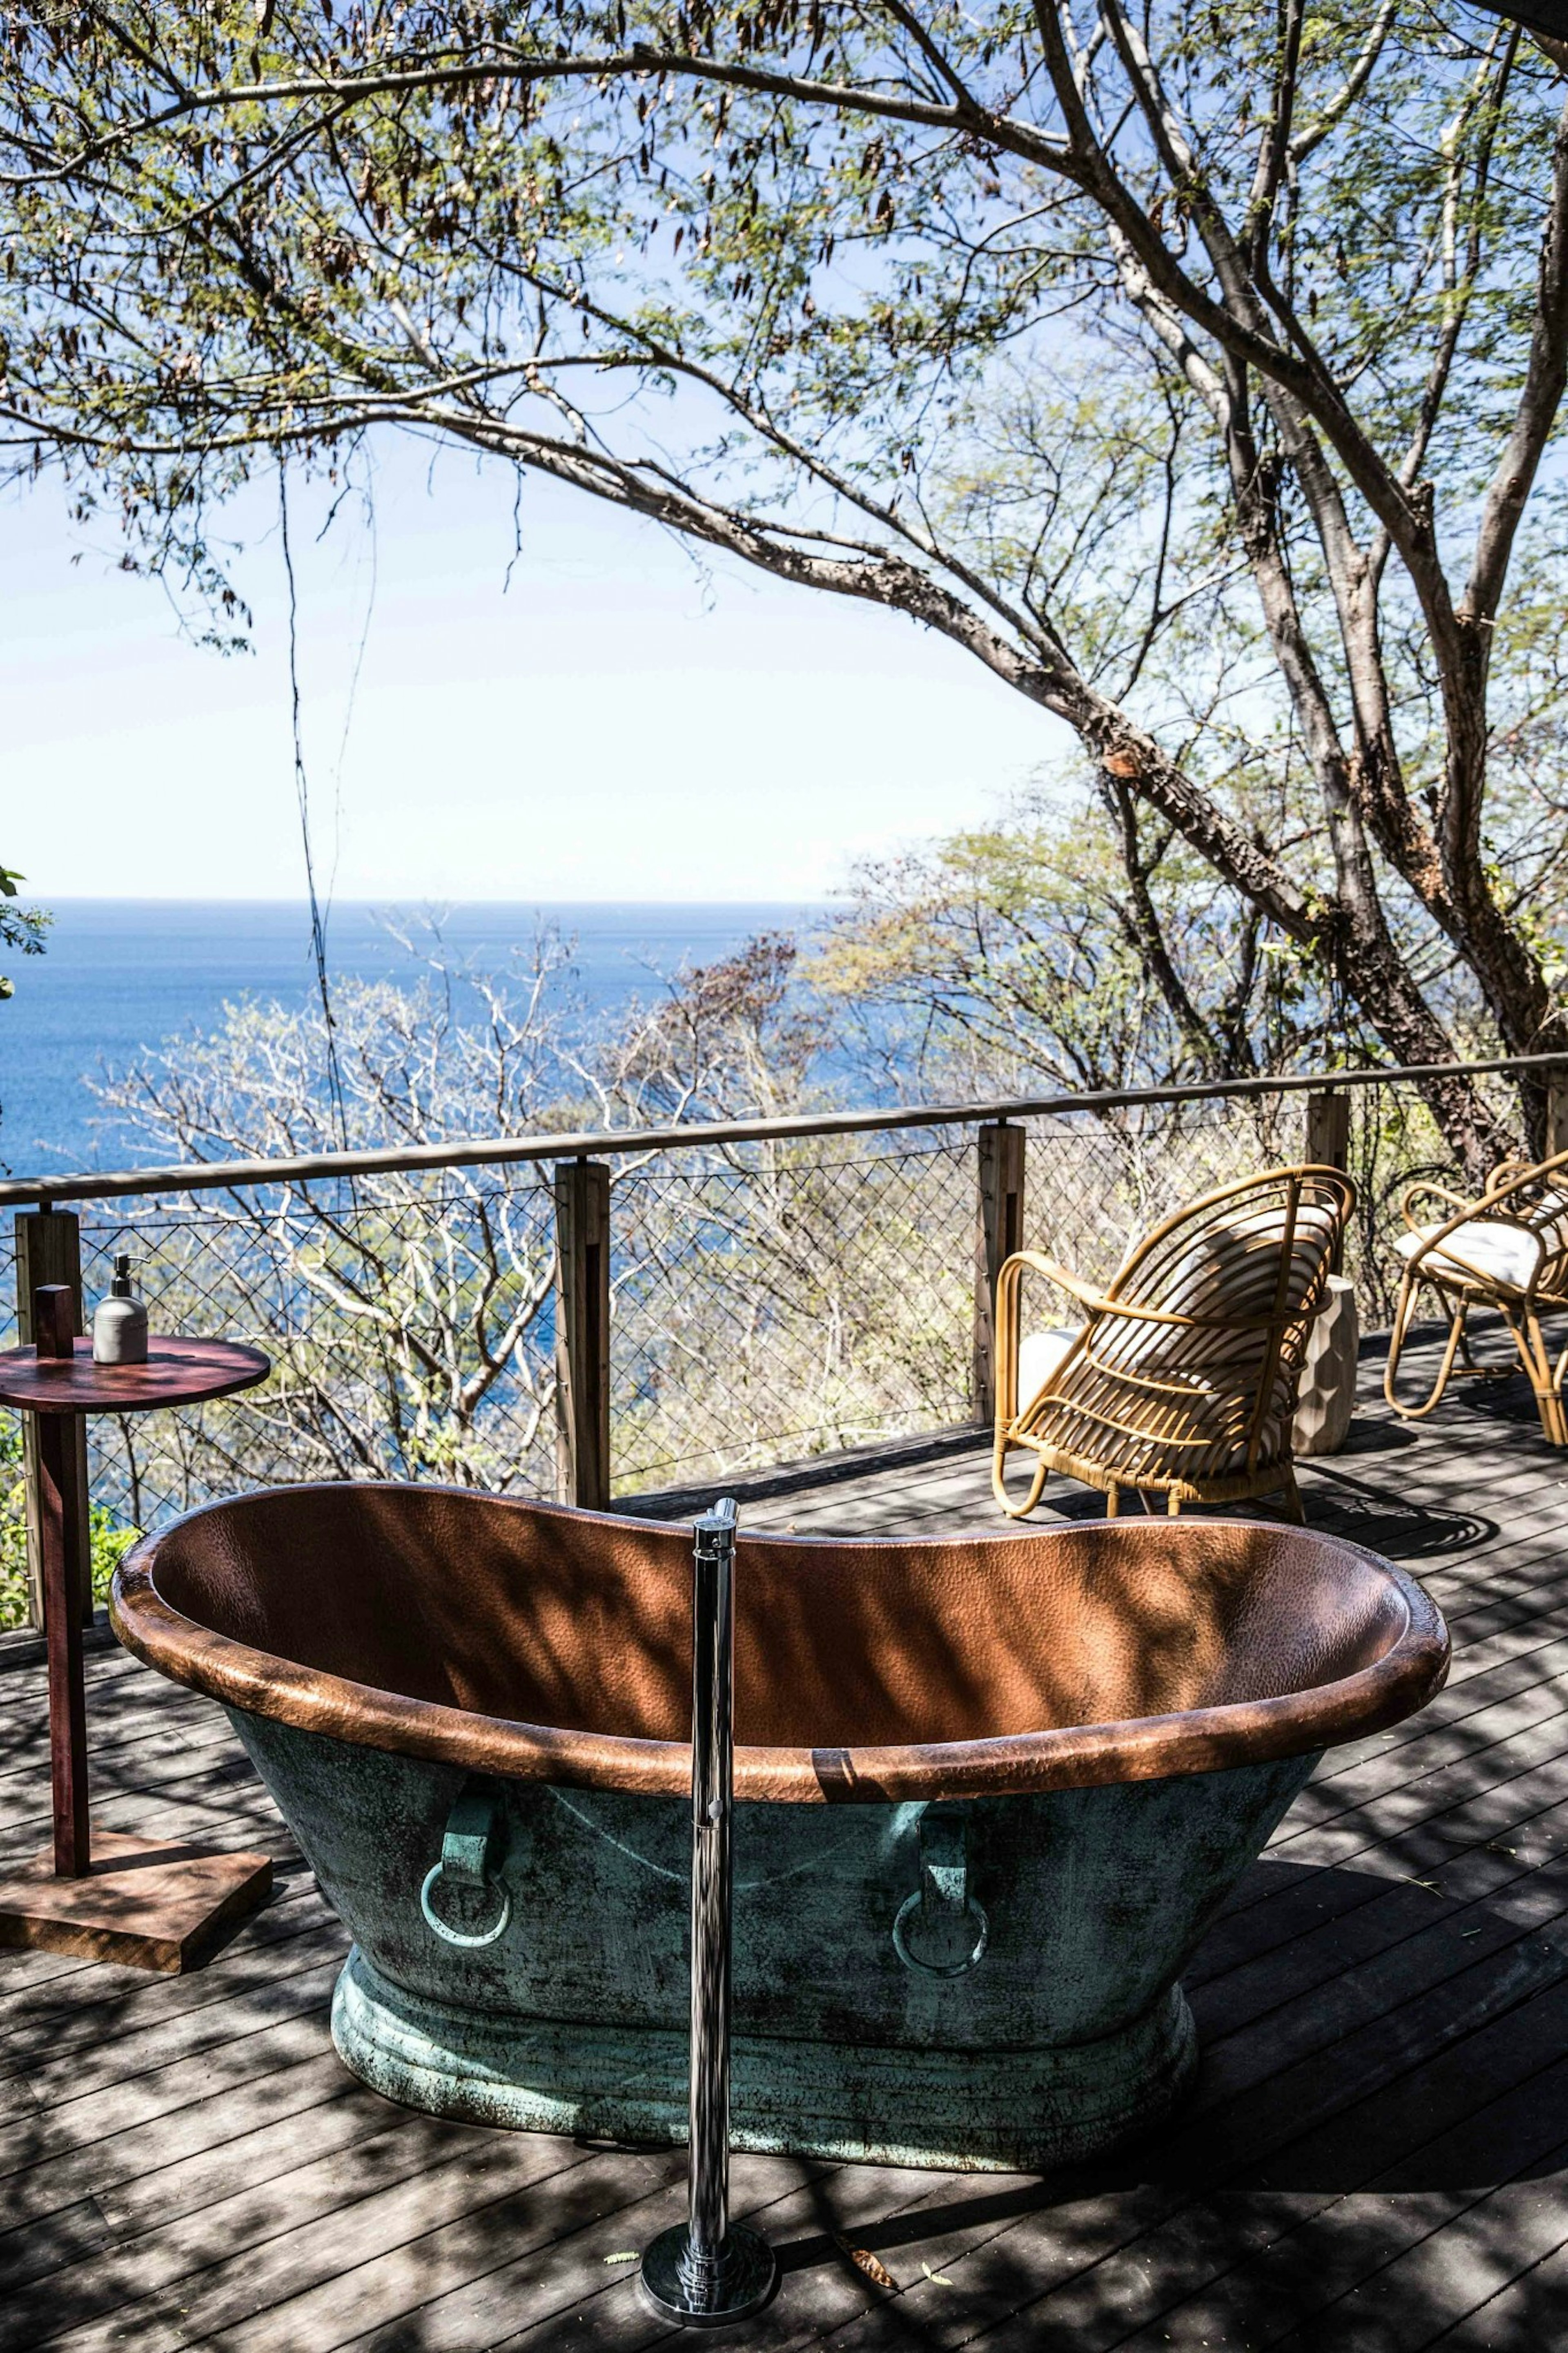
[[786, 1301], [768, 1300], [408, 1319], [1097, 1182]]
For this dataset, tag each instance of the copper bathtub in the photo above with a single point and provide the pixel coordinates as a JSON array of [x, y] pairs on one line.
[[989, 1793]]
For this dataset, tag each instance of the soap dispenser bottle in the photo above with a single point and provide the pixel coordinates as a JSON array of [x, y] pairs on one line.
[[119, 1325]]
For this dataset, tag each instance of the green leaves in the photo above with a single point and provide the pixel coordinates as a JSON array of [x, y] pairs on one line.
[[1135, 364], [22, 928], [480, 203], [1047, 948]]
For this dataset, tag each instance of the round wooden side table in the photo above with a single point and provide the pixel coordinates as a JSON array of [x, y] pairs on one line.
[[153, 1904]]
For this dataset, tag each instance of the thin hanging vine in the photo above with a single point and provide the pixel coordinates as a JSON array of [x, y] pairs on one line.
[[302, 797]]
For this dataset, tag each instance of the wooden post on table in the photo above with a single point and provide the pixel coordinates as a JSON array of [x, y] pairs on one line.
[[1000, 1148], [1329, 1143], [583, 1333], [63, 1572], [48, 1251]]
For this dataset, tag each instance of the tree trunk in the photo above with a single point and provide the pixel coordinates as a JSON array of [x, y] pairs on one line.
[[1374, 974]]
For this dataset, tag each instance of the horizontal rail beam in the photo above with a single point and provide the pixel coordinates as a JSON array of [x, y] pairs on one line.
[[496, 1151]]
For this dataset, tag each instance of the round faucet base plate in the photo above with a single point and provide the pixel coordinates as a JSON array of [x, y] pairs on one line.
[[746, 2277]]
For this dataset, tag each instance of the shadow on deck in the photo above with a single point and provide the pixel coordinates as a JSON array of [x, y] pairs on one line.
[[1376, 2156]]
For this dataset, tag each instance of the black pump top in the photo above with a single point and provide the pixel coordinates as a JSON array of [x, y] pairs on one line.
[[120, 1286]]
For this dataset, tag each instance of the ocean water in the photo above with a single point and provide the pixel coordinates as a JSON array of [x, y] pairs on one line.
[[124, 975]]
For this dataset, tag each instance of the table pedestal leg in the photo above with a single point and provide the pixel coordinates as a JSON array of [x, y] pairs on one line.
[[64, 1579], [150, 1904]]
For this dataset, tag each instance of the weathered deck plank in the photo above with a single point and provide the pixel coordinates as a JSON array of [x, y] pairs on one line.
[[1376, 2156]]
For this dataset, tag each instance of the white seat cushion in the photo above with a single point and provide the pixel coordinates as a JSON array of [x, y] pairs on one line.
[[1039, 1353], [1491, 1247]]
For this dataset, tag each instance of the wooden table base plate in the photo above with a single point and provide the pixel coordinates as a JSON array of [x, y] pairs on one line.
[[147, 1905]]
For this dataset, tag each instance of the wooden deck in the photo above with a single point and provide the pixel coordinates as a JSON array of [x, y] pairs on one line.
[[1376, 2158]]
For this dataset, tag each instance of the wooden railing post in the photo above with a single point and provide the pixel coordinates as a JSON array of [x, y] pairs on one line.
[[1557, 1112], [48, 1251], [1329, 1131], [583, 1333], [1000, 1148], [1329, 1145]]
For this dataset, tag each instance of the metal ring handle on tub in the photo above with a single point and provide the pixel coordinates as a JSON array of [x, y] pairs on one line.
[[471, 1850], [943, 1899], [457, 1936], [972, 1910]]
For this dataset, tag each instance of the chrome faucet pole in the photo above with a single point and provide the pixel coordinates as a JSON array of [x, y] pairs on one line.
[[713, 1800], [705, 2272]]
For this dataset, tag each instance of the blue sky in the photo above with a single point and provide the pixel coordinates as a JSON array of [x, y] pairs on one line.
[[621, 723]]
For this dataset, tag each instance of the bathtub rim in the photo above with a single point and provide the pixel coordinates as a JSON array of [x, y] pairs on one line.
[[1197, 1740]]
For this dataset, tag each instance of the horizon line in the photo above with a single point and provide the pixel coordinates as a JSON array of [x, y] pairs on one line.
[[381, 899]]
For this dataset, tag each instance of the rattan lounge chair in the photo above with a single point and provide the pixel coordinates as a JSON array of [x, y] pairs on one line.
[[1508, 1251], [1181, 1381]]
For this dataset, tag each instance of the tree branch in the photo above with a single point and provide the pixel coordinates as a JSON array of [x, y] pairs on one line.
[[1345, 97], [1540, 398]]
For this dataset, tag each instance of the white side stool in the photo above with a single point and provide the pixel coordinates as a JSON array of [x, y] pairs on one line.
[[1326, 1398]]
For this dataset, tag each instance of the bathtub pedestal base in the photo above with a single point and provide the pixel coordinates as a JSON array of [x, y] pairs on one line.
[[1007, 2111], [146, 1903]]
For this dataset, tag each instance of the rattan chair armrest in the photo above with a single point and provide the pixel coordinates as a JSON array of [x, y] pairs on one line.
[[1038, 1263], [1511, 1176], [1428, 1191], [1009, 1282], [1180, 1320]]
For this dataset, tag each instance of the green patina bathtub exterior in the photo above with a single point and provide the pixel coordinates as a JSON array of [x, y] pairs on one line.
[[1069, 2036], [989, 1793]]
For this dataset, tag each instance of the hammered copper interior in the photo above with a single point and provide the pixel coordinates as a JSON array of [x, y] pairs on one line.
[[536, 1615]]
